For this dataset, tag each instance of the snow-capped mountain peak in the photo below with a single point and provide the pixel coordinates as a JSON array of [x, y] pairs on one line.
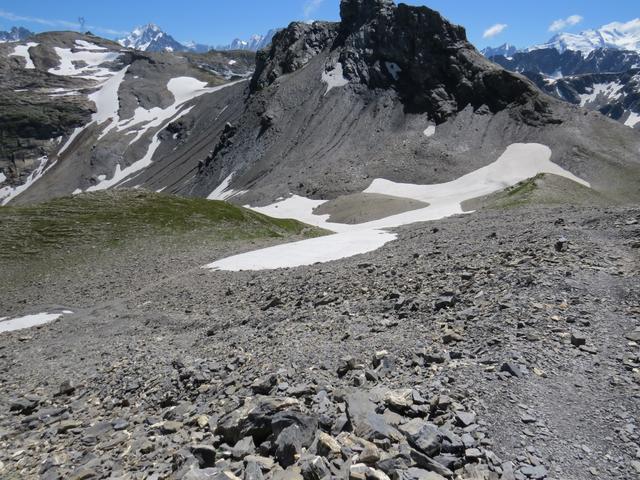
[[151, 38], [616, 35], [506, 50], [253, 43], [16, 34]]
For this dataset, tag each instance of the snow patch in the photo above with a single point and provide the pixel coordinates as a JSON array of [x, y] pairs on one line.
[[430, 131], [65, 93], [183, 90], [393, 69], [29, 321], [633, 120], [23, 51], [121, 174], [223, 192], [107, 107], [83, 44], [519, 162], [92, 63], [2, 177], [334, 78], [9, 193], [107, 102], [611, 91], [307, 252]]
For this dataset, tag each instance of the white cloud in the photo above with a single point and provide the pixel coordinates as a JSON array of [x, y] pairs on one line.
[[310, 8], [563, 23], [496, 29], [56, 23]]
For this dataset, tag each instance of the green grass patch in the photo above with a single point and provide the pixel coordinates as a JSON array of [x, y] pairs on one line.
[[543, 189], [523, 188], [107, 219]]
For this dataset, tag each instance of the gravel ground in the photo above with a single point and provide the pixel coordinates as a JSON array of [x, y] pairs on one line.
[[498, 345]]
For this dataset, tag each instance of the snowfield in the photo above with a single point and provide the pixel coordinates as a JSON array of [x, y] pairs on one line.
[[633, 120], [334, 78], [307, 252], [609, 91], [92, 62], [83, 44], [23, 51], [519, 162], [29, 321]]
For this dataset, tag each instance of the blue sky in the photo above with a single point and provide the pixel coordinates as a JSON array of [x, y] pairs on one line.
[[520, 22]]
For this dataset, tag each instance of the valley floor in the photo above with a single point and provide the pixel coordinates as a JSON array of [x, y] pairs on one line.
[[521, 347]]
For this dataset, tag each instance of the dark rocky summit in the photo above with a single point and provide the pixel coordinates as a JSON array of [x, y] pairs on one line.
[[413, 49]]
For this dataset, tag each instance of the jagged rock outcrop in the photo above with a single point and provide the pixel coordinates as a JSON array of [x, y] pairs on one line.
[[412, 49], [551, 62], [428, 59], [290, 50]]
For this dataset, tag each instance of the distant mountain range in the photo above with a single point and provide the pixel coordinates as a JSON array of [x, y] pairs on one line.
[[254, 43], [614, 36], [151, 38], [16, 34], [596, 69], [506, 50]]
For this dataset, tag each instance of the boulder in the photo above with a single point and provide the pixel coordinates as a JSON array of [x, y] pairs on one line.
[[253, 419], [364, 420]]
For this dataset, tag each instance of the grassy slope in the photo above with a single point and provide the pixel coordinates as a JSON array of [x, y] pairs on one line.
[[543, 189], [68, 226]]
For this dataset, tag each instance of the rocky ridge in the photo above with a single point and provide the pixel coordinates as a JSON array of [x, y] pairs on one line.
[[388, 82]]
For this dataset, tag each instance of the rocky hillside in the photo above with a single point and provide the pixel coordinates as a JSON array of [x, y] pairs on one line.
[[399, 91], [80, 113], [437, 277], [394, 92], [500, 348]]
